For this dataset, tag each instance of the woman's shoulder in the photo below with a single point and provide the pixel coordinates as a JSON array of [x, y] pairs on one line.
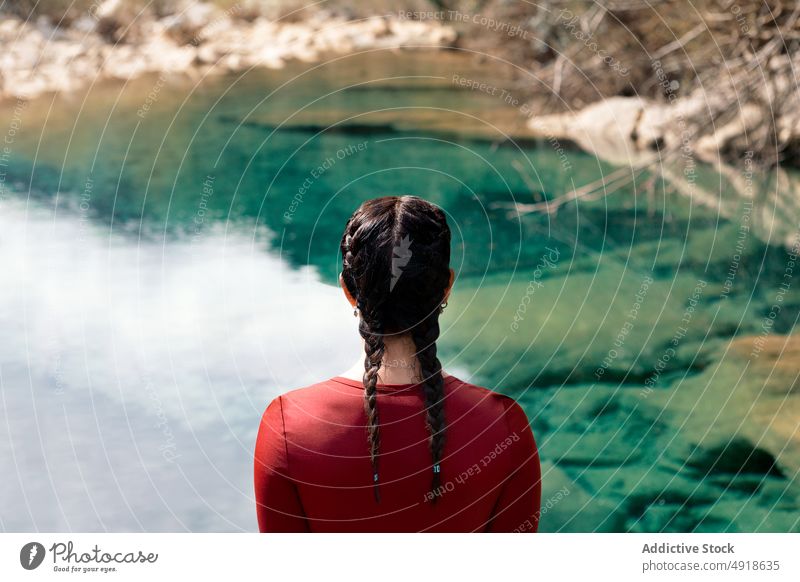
[[485, 400], [325, 398], [321, 397]]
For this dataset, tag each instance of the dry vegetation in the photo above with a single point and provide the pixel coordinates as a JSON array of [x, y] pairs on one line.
[[721, 53]]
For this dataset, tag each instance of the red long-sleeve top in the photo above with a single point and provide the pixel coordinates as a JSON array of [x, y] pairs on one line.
[[313, 472]]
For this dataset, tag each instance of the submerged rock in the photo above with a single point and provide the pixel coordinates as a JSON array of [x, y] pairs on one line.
[[567, 506], [744, 411], [715, 452]]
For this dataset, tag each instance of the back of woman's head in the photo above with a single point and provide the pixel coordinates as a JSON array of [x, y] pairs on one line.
[[396, 266]]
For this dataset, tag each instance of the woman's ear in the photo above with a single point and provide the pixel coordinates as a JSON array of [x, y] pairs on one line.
[[449, 285], [347, 294]]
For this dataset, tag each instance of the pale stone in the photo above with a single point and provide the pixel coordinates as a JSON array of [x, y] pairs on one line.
[[39, 59]]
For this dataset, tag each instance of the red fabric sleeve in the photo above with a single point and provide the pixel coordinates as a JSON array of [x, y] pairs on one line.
[[277, 500], [518, 508]]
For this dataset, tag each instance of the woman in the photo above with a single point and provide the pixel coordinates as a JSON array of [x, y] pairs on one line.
[[395, 444]]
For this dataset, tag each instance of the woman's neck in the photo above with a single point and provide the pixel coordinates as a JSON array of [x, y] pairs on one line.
[[398, 366]]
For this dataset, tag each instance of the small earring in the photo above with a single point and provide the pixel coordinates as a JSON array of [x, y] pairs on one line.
[[355, 312], [442, 307]]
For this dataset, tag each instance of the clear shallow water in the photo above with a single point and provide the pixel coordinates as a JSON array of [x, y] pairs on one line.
[[173, 271]]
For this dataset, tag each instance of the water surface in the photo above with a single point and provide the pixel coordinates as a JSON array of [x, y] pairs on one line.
[[173, 268]]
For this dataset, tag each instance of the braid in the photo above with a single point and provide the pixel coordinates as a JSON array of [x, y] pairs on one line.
[[425, 335], [374, 348], [370, 330], [395, 264]]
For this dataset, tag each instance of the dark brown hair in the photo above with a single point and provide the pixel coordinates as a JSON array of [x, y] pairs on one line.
[[396, 265]]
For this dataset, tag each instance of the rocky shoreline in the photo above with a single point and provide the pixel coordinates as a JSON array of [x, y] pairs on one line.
[[644, 135], [114, 42], [109, 43]]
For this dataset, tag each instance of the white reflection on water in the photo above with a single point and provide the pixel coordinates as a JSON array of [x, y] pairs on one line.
[[133, 373]]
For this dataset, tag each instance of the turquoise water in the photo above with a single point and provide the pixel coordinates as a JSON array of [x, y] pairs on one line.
[[174, 249]]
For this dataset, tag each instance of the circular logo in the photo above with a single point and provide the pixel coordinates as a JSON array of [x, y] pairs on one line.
[[31, 555]]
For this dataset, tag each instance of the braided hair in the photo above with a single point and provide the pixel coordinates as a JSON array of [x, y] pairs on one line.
[[396, 265]]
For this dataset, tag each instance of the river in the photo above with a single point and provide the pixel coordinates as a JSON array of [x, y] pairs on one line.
[[169, 250]]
